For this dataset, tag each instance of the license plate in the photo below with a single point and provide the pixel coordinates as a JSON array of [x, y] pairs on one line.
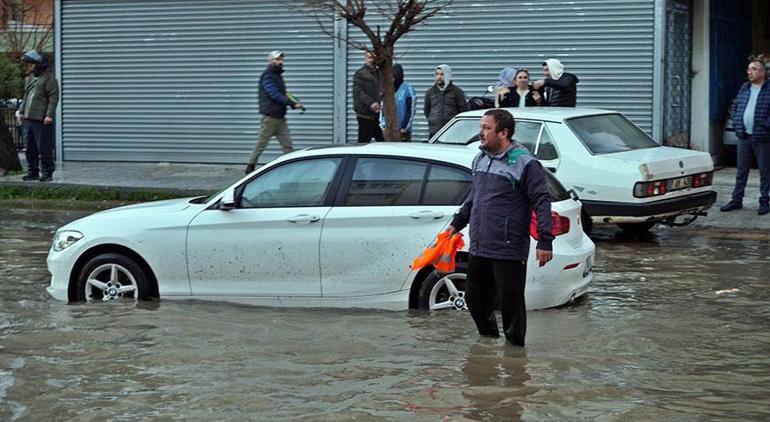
[[679, 183], [589, 266]]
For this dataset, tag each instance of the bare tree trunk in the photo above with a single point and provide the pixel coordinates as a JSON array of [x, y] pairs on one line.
[[9, 158], [391, 132]]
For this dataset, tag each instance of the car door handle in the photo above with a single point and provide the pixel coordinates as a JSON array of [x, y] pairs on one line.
[[304, 218], [552, 169], [427, 214]]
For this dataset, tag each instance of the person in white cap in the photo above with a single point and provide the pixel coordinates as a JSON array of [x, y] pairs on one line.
[[443, 100], [559, 88], [273, 101]]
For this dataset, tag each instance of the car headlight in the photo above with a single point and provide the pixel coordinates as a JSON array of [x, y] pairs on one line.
[[65, 238]]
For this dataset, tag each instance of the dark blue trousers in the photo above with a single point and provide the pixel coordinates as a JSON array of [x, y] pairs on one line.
[[748, 149], [40, 147]]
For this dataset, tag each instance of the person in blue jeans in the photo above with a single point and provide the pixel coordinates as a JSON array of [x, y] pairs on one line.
[[752, 126]]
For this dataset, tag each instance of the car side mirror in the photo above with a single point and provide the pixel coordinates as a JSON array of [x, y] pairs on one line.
[[552, 169], [228, 200], [573, 195]]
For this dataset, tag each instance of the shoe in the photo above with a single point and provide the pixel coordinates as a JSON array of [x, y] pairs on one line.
[[249, 168], [46, 178], [730, 206], [763, 209], [29, 177]]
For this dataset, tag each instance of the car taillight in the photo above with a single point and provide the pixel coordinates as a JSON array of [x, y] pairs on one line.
[[645, 189], [559, 225], [703, 179]]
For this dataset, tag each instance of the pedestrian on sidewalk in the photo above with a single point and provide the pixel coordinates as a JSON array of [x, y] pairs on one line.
[[367, 100], [750, 120], [521, 93], [406, 104], [508, 185], [273, 100], [559, 88], [443, 100], [37, 111]]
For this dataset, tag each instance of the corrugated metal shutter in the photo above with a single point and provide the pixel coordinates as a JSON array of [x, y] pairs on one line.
[[176, 80], [607, 43]]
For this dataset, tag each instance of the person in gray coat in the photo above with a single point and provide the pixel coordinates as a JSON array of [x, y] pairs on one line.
[[443, 100]]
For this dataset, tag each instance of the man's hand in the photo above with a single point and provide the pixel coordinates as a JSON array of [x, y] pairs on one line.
[[376, 107], [18, 117], [537, 97], [543, 256], [47, 120], [298, 106], [451, 230], [538, 84]]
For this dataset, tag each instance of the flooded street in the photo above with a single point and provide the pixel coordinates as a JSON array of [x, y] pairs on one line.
[[675, 326]]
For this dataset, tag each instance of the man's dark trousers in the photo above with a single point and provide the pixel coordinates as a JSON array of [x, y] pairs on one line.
[[747, 149], [491, 278], [39, 146], [368, 129]]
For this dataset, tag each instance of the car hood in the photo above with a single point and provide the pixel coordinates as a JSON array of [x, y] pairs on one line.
[[663, 162], [169, 205]]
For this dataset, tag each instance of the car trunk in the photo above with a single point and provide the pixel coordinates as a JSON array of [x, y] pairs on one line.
[[664, 162]]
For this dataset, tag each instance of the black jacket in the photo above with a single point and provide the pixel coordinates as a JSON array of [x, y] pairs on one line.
[[511, 99], [441, 106], [272, 93], [560, 92], [366, 91]]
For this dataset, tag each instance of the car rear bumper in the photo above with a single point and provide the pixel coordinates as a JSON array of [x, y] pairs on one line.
[[616, 212]]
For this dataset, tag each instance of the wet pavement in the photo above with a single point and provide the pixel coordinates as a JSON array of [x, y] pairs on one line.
[[676, 326]]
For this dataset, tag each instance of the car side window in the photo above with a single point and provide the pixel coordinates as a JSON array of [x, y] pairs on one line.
[[546, 150], [461, 132], [446, 185], [296, 184], [385, 181], [527, 134]]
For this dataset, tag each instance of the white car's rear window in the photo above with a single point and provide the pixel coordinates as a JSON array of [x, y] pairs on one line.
[[608, 133]]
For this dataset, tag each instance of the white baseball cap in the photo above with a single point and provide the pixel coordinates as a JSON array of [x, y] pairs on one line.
[[275, 54]]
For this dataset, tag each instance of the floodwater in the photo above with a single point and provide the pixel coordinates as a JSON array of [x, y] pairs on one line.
[[676, 326]]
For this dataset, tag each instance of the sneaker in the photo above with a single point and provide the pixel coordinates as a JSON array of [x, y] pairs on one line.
[[46, 178], [249, 168], [730, 206], [29, 177], [763, 209]]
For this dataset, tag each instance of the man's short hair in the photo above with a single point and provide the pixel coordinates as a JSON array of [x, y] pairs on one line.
[[503, 120]]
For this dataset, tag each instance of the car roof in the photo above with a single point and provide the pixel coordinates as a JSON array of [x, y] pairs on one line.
[[551, 114], [455, 154]]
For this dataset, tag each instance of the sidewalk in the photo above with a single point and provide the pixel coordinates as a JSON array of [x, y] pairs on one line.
[[201, 179]]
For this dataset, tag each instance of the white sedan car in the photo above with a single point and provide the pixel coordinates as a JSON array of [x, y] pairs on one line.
[[621, 175], [334, 226]]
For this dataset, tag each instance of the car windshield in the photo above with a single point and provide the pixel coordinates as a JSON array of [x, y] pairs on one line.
[[609, 133], [462, 132]]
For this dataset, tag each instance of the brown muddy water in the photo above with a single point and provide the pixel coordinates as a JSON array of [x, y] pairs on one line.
[[676, 326]]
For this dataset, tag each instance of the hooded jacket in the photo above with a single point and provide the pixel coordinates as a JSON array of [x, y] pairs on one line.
[[272, 93], [406, 101], [560, 90], [506, 188], [443, 103]]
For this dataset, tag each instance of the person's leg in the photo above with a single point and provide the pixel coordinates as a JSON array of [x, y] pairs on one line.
[[762, 152], [377, 131], [266, 131], [480, 295], [284, 136], [30, 151], [744, 155], [510, 277], [46, 150], [364, 130]]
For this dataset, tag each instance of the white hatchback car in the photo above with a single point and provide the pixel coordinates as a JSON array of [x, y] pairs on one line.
[[333, 226], [621, 175]]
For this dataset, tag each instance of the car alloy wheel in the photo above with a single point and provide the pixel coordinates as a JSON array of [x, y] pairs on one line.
[[443, 291], [109, 277]]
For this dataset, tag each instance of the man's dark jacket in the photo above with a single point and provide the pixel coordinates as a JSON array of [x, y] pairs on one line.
[[366, 91], [272, 93], [441, 106], [761, 112], [563, 90], [506, 188]]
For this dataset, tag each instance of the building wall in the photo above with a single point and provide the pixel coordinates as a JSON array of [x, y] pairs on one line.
[[177, 80]]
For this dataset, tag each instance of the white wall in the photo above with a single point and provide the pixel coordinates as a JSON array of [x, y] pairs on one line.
[[700, 137]]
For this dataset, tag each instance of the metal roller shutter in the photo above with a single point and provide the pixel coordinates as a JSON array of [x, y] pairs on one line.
[[607, 43], [176, 80]]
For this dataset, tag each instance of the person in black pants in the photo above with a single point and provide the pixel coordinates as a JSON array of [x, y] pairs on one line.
[[367, 100], [508, 184]]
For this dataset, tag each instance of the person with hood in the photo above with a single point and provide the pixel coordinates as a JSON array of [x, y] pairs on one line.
[[406, 104], [559, 88], [521, 93], [367, 101], [37, 110], [443, 100], [273, 101]]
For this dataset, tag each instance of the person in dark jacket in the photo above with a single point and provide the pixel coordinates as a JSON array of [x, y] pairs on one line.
[[443, 100], [521, 93], [559, 88], [508, 184], [751, 120], [367, 100], [273, 101], [37, 110]]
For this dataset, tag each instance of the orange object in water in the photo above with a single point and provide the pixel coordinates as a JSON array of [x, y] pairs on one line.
[[441, 253]]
